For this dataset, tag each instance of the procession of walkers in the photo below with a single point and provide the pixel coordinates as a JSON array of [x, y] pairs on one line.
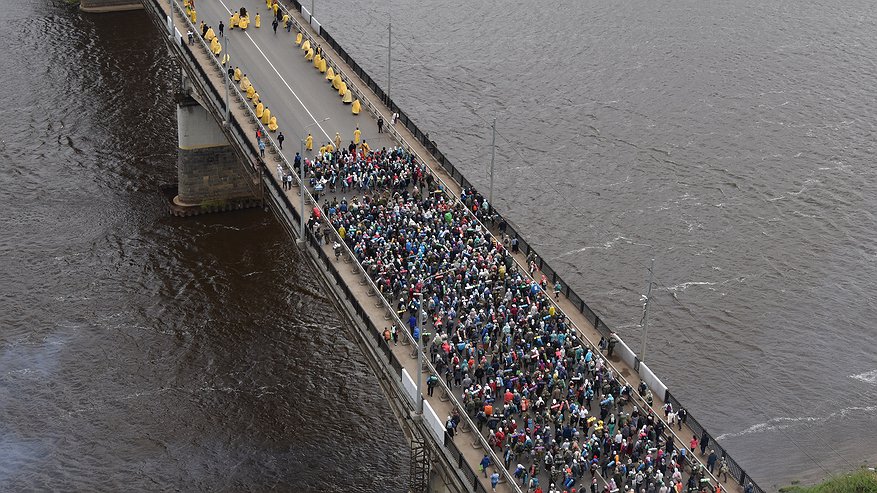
[[556, 414]]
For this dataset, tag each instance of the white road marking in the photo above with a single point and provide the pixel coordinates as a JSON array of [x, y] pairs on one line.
[[228, 11]]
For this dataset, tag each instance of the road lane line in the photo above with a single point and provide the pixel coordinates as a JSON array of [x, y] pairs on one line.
[[282, 79]]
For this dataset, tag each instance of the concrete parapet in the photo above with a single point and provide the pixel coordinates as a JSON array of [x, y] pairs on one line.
[[101, 6]]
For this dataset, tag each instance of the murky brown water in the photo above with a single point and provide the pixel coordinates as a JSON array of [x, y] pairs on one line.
[[733, 142], [142, 352]]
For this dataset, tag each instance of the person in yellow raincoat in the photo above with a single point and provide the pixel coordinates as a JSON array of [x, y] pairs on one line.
[[260, 108], [365, 147], [356, 108], [323, 65], [356, 135], [258, 22], [237, 74], [309, 142], [275, 8], [338, 140], [317, 59], [306, 45], [255, 98], [330, 75], [210, 34], [348, 97], [268, 4], [225, 59], [215, 47], [234, 20], [251, 91], [330, 147], [321, 150], [193, 15], [309, 55], [298, 38], [272, 125], [244, 22], [342, 88], [266, 116], [245, 83]]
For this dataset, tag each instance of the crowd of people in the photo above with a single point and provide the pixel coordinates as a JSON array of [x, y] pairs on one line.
[[553, 410], [556, 414]]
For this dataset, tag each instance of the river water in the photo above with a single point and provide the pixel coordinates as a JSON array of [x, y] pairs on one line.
[[142, 352], [732, 142]]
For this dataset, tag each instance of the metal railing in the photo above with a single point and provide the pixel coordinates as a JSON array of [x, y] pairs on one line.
[[590, 315], [178, 9]]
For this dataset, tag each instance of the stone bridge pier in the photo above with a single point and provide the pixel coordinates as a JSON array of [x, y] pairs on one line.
[[210, 176]]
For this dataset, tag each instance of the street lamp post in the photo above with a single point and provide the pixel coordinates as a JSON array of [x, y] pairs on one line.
[[421, 320], [645, 321], [227, 74], [301, 176], [492, 158]]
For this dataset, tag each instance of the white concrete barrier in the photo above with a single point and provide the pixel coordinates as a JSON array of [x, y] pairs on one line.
[[659, 390], [625, 353], [410, 387], [434, 421]]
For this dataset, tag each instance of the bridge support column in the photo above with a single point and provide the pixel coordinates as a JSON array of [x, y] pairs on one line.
[[101, 6], [210, 176]]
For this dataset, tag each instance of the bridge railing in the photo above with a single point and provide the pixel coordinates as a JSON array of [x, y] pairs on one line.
[[178, 9], [422, 137], [590, 315]]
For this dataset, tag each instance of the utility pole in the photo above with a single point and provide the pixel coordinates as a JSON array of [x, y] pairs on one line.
[[389, 54], [492, 159], [419, 343], [645, 320], [227, 74]]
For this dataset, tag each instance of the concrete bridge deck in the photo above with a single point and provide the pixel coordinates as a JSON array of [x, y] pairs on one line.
[[299, 96]]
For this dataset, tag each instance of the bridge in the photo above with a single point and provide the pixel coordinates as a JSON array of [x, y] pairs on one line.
[[223, 164]]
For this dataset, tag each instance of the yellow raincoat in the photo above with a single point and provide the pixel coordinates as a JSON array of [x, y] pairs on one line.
[[234, 20], [237, 74], [323, 65], [215, 47], [266, 116], [272, 125], [260, 108], [245, 83], [309, 142], [317, 59], [348, 97], [330, 74], [244, 22], [210, 34], [342, 88], [356, 135], [309, 55], [356, 108], [255, 98], [258, 22], [338, 140], [306, 45], [298, 39], [251, 91]]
